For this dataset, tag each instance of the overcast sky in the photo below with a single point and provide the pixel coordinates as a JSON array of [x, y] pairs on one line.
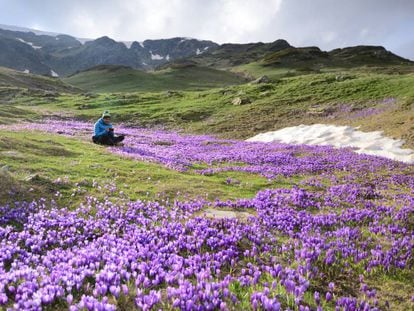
[[324, 23]]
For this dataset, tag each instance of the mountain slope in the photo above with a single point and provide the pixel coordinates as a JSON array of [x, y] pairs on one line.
[[229, 55], [10, 78], [56, 54], [20, 56], [280, 55], [109, 78]]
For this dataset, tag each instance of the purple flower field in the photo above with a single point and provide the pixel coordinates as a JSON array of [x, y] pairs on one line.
[[319, 245]]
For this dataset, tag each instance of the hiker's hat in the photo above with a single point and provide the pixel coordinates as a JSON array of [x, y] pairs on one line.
[[106, 114]]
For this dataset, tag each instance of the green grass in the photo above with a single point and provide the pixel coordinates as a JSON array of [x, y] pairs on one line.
[[256, 69], [289, 101], [33, 162], [124, 79]]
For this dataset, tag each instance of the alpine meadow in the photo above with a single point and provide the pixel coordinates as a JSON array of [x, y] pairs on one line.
[[187, 174]]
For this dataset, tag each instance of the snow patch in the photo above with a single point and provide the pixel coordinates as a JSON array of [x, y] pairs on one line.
[[83, 40], [198, 52], [29, 43], [26, 71], [128, 44], [141, 43], [167, 57], [371, 143], [206, 48], [156, 56], [185, 39], [54, 74]]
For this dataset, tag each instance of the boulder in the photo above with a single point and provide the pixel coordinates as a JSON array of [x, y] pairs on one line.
[[241, 101], [262, 79]]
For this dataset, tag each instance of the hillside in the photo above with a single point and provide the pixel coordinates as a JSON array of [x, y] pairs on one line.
[[13, 78], [279, 59], [107, 78], [372, 99]]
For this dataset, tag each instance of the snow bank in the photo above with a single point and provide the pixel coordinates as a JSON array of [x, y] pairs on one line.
[[372, 143]]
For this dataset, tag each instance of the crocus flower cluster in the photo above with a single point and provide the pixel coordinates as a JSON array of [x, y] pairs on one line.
[[351, 219], [183, 152]]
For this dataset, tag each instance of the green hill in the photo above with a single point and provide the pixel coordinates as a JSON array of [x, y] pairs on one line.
[[28, 90], [17, 79], [109, 78], [279, 59]]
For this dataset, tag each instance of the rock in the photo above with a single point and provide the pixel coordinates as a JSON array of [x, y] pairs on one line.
[[83, 106], [241, 101], [225, 91], [222, 214], [4, 172], [33, 177], [343, 77], [12, 154], [172, 93], [262, 79], [339, 78], [90, 95]]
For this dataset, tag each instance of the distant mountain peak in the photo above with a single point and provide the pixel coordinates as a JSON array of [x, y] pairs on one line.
[[56, 54]]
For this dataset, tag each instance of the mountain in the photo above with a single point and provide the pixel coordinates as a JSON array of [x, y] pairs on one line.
[[280, 54], [229, 55], [21, 56], [346, 57], [57, 54], [63, 55]]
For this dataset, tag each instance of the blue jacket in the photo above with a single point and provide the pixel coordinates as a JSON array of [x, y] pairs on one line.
[[100, 127]]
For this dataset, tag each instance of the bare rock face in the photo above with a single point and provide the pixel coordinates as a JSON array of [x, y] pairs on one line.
[[238, 101]]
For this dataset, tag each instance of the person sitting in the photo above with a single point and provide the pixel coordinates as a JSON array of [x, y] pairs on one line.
[[104, 131]]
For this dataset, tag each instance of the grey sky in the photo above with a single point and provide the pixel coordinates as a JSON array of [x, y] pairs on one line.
[[324, 23]]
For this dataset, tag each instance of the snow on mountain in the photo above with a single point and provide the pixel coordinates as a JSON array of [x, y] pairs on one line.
[[128, 44], [83, 40], [156, 56], [67, 54], [29, 43], [54, 74]]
